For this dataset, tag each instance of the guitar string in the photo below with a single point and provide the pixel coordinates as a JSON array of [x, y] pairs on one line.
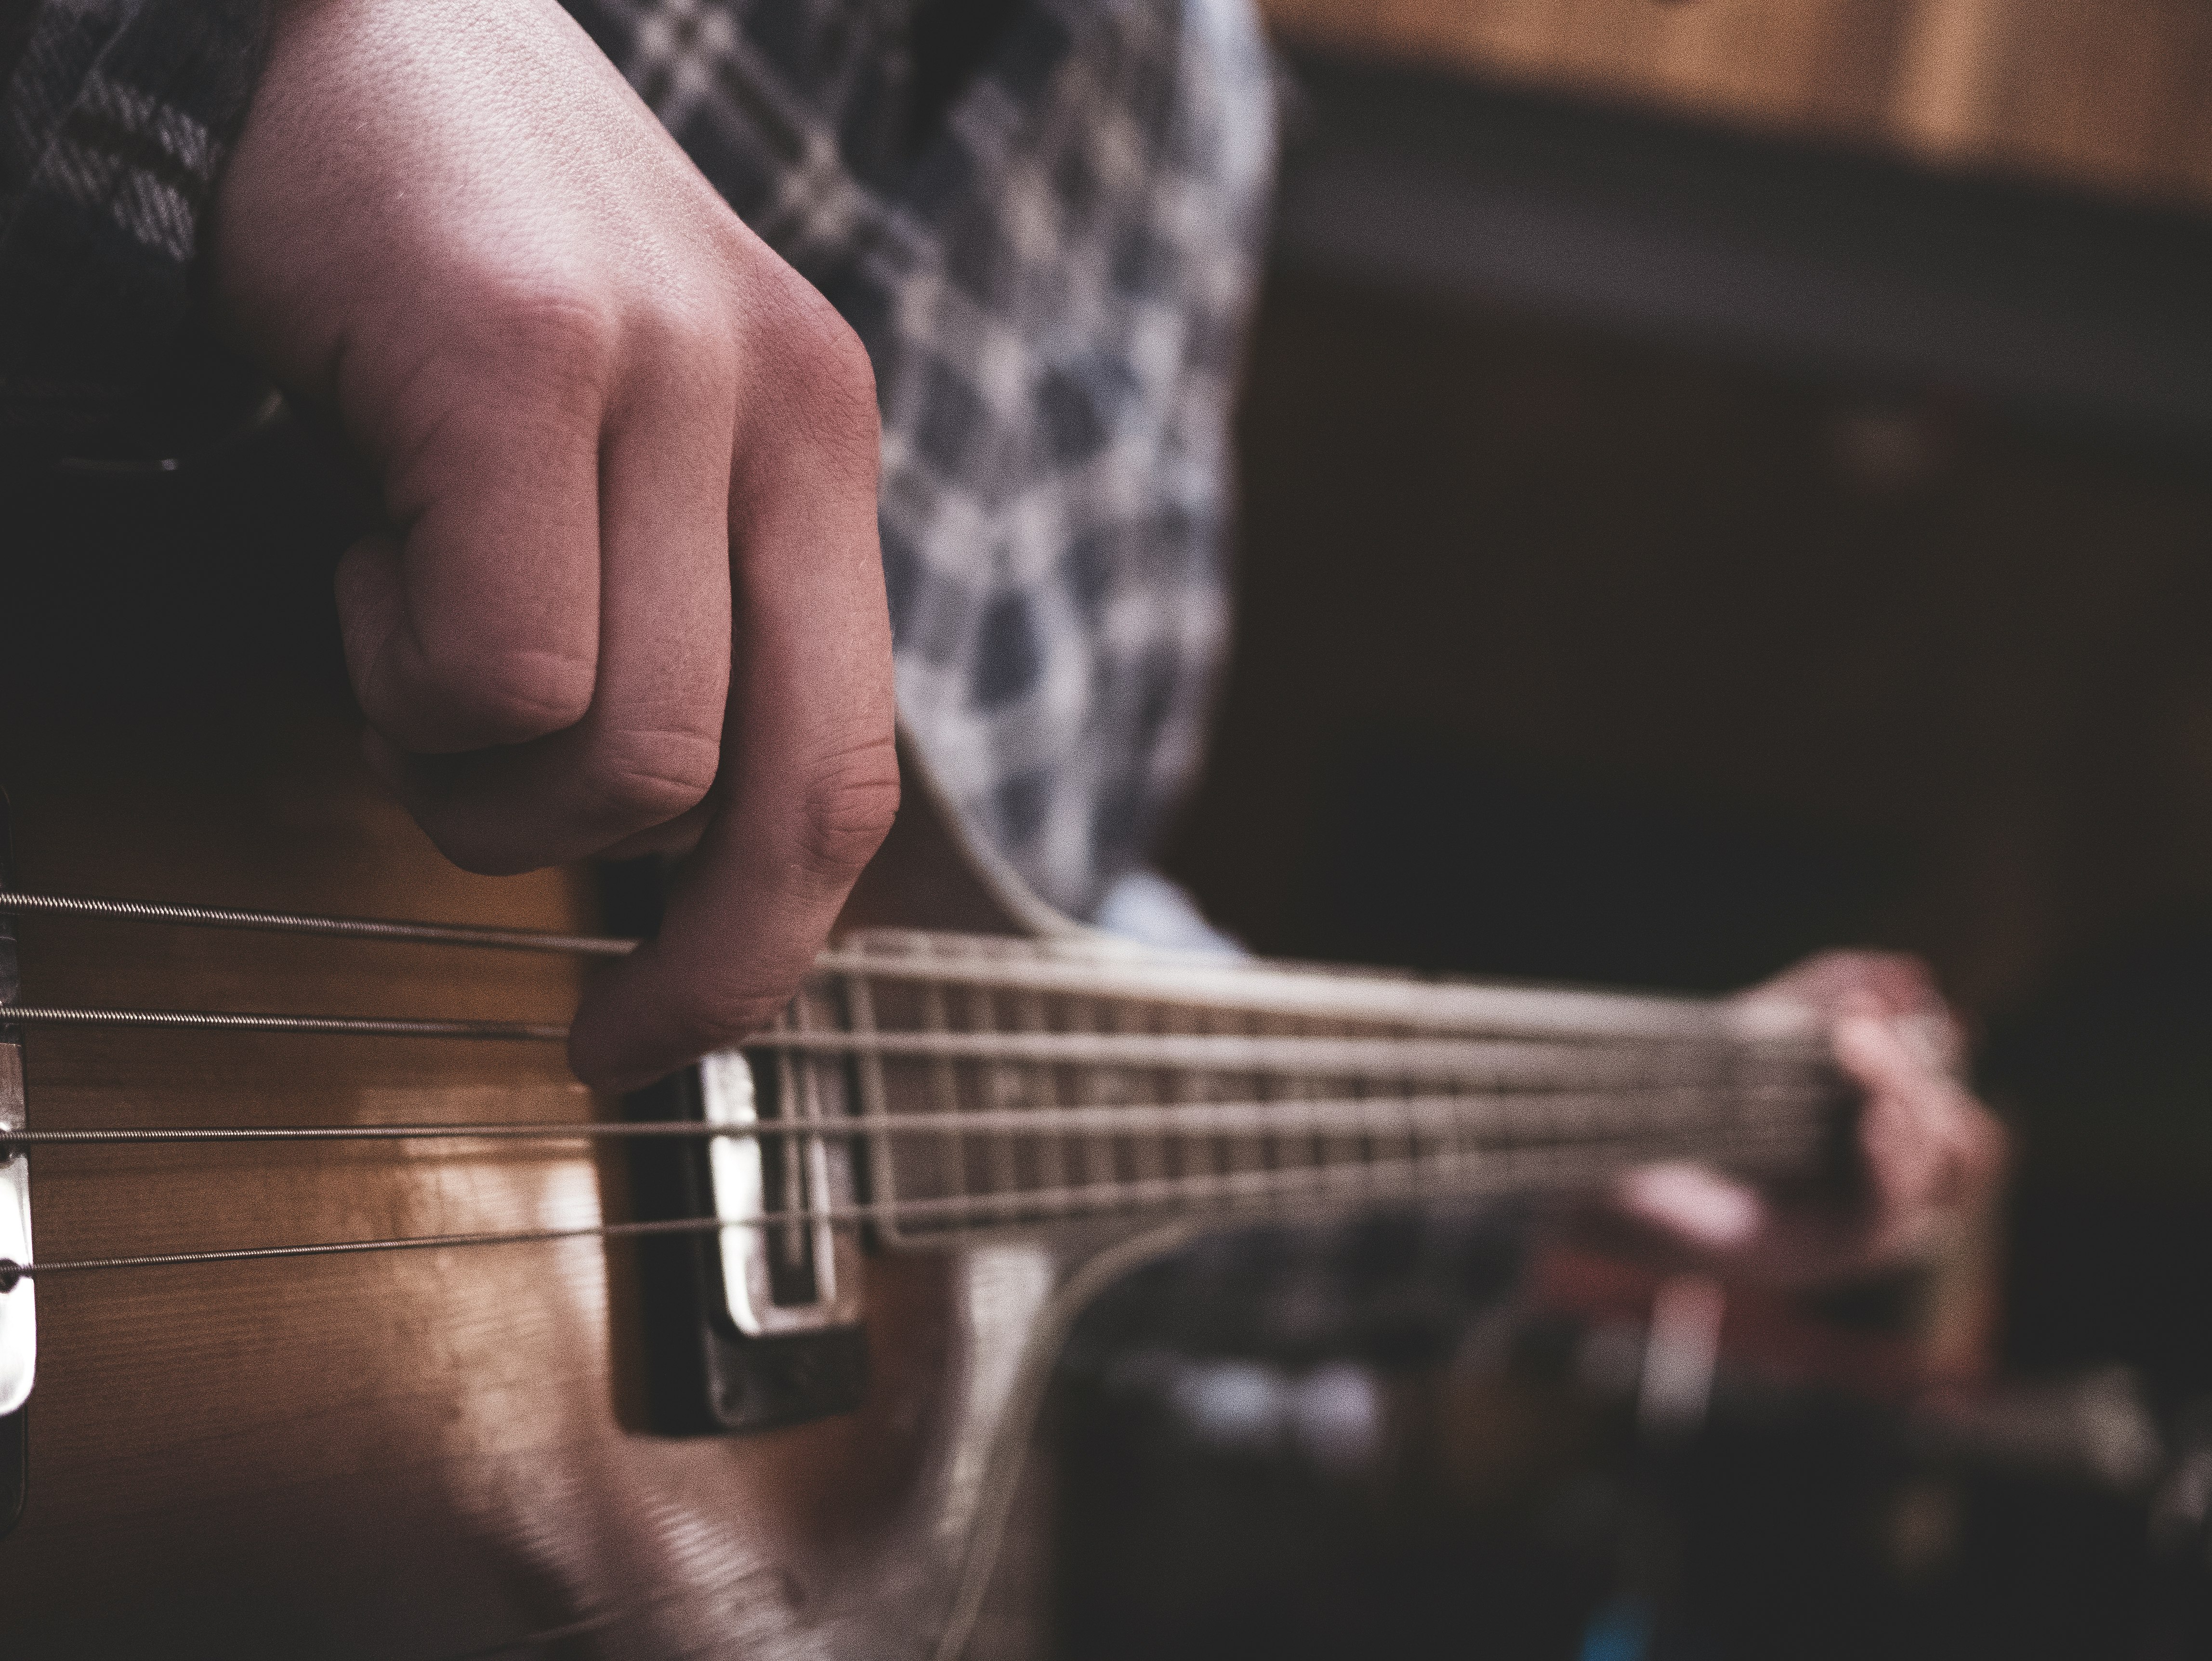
[[1467, 1058], [1493, 1114], [1177, 1051], [895, 956], [1499, 1169], [367, 1026], [287, 922]]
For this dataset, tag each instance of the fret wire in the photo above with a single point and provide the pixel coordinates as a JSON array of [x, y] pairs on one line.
[[1153, 1161], [1002, 1093], [1243, 1149], [1412, 1133], [936, 1014], [1266, 1145], [1177, 1087], [875, 1107], [1248, 1150], [1088, 1094], [1051, 1153], [1364, 1136], [1559, 1166], [800, 1103], [1126, 1153], [1317, 1149], [1210, 1152]]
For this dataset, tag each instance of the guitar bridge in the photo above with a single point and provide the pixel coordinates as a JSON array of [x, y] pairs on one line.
[[757, 1324], [19, 1308], [799, 1273]]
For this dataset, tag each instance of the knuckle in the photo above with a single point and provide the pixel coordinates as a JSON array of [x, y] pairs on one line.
[[514, 696], [461, 699], [703, 1022], [685, 338], [824, 367], [649, 778], [848, 812], [558, 329]]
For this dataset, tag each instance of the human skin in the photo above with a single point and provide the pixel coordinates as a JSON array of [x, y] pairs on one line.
[[629, 595], [1926, 1149]]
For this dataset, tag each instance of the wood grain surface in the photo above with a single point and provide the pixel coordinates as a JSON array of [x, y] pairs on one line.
[[2108, 98], [421, 1453]]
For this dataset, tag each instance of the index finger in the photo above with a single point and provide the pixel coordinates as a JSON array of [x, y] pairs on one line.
[[808, 780]]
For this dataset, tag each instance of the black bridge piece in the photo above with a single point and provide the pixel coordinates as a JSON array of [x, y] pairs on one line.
[[704, 1376], [14, 1427]]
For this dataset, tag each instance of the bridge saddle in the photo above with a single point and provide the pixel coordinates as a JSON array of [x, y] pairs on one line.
[[800, 1276], [19, 1307]]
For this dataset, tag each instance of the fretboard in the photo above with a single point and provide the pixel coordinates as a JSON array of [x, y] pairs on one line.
[[1007, 1086]]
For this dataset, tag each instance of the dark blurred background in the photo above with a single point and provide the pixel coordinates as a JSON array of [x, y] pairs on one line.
[[1720, 479]]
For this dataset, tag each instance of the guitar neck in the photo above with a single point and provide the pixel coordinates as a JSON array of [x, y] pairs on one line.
[[1019, 1086]]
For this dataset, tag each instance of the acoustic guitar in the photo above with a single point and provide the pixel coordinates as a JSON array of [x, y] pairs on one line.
[[340, 1320]]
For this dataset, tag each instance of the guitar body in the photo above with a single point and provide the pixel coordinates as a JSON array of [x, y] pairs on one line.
[[443, 1452], [465, 1451]]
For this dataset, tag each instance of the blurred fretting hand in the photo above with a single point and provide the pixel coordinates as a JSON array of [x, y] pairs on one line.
[[1928, 1150], [629, 597]]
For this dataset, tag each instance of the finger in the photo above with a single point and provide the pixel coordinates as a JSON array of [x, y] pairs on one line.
[[478, 623], [809, 773], [1890, 982], [647, 749], [1692, 1206], [1900, 1125]]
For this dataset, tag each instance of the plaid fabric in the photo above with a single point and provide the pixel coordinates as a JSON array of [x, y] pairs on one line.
[[114, 117], [1049, 264], [1053, 287]]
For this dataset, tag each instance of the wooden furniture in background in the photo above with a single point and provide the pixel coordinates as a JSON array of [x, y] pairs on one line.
[[2108, 97]]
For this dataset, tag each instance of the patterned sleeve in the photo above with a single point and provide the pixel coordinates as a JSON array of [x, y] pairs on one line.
[[114, 117]]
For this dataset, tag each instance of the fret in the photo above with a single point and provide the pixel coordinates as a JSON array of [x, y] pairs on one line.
[[945, 1077], [1190, 1154], [1149, 1157], [1092, 1154], [1062, 1099], [1050, 1152], [1338, 1188], [780, 1187], [874, 1100], [1313, 1149], [1217, 1152], [1404, 1125], [952, 1012], [1241, 1149], [1118, 970], [1002, 1091]]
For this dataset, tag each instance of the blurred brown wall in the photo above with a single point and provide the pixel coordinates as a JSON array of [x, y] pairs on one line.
[[1979, 648], [2108, 96]]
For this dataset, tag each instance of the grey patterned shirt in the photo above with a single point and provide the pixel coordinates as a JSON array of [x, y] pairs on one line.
[[1048, 248]]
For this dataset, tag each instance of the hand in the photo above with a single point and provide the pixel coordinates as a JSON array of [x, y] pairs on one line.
[[1928, 1150], [630, 597]]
